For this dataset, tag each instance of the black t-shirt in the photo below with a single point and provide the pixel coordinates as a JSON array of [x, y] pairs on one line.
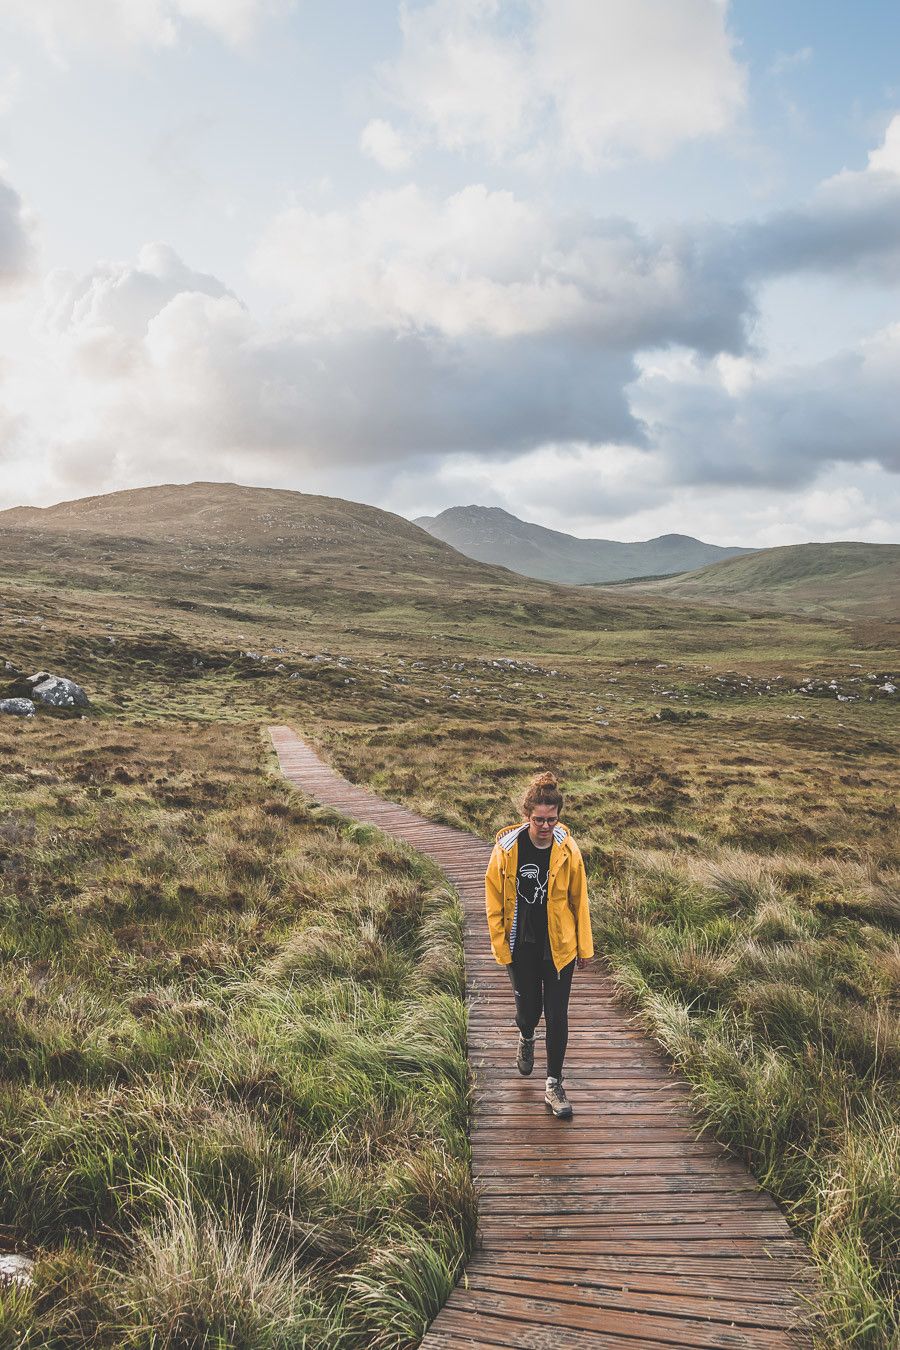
[[532, 873]]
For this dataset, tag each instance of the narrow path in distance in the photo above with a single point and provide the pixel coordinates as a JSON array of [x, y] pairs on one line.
[[625, 1227]]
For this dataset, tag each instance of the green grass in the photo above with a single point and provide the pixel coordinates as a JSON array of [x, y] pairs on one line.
[[836, 579], [233, 1091]]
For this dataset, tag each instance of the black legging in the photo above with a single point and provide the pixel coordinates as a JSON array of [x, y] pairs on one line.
[[536, 987]]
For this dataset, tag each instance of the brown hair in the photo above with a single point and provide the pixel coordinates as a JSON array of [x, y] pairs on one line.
[[543, 790]]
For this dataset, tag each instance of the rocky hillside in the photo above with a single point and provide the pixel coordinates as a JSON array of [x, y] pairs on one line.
[[495, 536]]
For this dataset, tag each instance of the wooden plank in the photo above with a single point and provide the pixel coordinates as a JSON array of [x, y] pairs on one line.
[[659, 1276], [719, 1305], [677, 1331]]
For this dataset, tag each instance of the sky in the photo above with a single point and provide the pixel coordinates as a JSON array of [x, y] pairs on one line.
[[622, 267]]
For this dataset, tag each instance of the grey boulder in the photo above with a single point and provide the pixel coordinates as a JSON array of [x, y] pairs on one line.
[[21, 707], [57, 691]]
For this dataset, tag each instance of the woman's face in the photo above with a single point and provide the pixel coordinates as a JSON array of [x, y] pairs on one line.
[[540, 824]]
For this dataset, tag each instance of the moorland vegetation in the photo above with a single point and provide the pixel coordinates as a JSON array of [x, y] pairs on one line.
[[233, 1093], [837, 580], [731, 774]]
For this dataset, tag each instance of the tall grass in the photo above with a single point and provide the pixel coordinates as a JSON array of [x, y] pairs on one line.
[[233, 1080], [782, 1012]]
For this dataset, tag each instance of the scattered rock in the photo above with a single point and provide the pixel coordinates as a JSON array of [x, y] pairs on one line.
[[20, 707], [15, 1268], [678, 715]]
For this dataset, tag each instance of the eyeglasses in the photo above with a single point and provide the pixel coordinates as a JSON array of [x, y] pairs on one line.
[[544, 820]]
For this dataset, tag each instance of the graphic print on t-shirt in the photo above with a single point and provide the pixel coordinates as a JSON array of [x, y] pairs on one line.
[[532, 871], [530, 886]]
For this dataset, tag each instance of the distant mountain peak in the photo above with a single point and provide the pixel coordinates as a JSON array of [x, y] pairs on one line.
[[492, 534]]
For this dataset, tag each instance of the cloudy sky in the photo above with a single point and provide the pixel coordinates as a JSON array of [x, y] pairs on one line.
[[623, 267]]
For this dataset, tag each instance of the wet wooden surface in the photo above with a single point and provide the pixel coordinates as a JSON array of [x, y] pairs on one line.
[[626, 1226]]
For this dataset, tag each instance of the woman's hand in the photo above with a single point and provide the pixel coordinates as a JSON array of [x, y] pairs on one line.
[[582, 961]]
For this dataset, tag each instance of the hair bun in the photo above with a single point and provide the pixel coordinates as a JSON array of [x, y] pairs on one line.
[[543, 790]]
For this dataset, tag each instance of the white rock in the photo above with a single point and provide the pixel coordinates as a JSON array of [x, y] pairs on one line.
[[14, 1267]]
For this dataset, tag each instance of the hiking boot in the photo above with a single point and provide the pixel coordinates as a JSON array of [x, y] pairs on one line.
[[525, 1055], [556, 1099]]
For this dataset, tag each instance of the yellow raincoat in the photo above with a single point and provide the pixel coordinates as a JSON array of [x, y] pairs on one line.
[[568, 917]]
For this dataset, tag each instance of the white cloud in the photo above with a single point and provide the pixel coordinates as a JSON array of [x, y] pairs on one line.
[[486, 263], [145, 372], [10, 88], [129, 370], [591, 82], [114, 27], [849, 502], [886, 157], [636, 76], [466, 83], [235, 21], [121, 296], [383, 143], [113, 396]]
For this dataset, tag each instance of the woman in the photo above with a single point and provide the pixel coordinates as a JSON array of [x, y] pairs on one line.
[[540, 926]]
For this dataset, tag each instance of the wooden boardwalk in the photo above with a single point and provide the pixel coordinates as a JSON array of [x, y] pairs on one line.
[[623, 1227]]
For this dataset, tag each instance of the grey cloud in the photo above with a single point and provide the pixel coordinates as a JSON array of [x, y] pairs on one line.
[[856, 233], [589, 496], [209, 382], [785, 428], [411, 395], [373, 396], [680, 286], [15, 237]]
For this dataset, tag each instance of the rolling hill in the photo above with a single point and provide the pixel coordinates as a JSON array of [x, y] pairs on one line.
[[229, 535], [259, 555], [495, 536], [844, 579]]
